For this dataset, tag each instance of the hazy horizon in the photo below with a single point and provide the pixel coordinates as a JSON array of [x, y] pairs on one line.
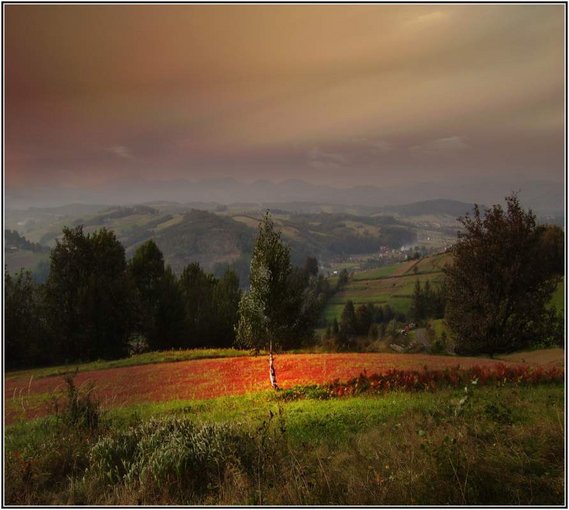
[[545, 198], [109, 99]]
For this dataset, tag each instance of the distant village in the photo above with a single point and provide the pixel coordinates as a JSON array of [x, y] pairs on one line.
[[385, 256]]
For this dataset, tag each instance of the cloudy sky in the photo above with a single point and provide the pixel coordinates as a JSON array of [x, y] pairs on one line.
[[342, 95]]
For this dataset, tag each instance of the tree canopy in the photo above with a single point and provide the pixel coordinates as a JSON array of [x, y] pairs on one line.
[[88, 295], [500, 281]]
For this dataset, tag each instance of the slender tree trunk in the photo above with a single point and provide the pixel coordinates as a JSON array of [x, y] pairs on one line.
[[272, 374]]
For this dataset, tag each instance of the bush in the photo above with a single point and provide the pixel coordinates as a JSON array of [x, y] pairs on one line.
[[430, 380], [79, 409], [180, 459], [138, 344]]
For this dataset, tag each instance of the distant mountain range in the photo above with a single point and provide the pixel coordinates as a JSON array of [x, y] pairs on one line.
[[544, 197]]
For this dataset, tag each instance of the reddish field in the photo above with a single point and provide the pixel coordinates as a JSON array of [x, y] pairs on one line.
[[207, 378]]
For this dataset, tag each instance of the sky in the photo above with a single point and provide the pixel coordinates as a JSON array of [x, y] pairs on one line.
[[338, 95]]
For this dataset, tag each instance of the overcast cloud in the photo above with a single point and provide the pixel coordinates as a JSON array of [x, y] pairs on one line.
[[342, 95]]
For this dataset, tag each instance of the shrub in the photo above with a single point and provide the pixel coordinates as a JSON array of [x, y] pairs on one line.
[[138, 344], [179, 458], [79, 408], [430, 380]]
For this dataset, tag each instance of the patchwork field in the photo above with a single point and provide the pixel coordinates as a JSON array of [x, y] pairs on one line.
[[393, 285], [389, 285]]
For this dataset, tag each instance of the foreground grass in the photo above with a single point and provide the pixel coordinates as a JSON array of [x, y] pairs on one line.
[[490, 445], [138, 359]]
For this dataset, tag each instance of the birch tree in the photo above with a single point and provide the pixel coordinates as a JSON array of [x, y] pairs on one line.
[[264, 320]]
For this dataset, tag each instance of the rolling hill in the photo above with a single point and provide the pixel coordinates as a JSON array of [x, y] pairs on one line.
[[217, 239], [392, 285]]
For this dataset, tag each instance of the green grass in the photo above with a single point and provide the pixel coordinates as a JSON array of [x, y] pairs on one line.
[[307, 419], [433, 263], [138, 359], [499, 445], [558, 298], [313, 420], [373, 274], [398, 304], [439, 327], [332, 311]]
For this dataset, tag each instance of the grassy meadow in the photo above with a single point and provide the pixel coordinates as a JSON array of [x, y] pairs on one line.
[[489, 445]]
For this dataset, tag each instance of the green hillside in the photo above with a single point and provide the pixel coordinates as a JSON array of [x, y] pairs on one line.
[[392, 285]]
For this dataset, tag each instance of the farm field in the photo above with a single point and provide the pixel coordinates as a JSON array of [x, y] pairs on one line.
[[394, 285], [30, 395], [146, 358], [389, 285]]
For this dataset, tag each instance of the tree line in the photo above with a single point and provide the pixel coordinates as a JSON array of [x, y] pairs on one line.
[[96, 304]]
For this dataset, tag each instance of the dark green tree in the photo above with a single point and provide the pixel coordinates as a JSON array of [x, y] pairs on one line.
[[387, 314], [89, 296], [378, 314], [25, 335], [364, 318], [226, 297], [157, 304], [552, 241], [419, 302], [348, 326], [311, 266], [170, 319], [198, 292], [498, 287], [302, 306], [343, 278], [335, 327]]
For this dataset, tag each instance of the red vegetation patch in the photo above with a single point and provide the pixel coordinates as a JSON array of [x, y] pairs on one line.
[[208, 378], [430, 380]]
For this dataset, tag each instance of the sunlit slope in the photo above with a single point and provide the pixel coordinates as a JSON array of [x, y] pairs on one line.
[[389, 285], [394, 285]]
